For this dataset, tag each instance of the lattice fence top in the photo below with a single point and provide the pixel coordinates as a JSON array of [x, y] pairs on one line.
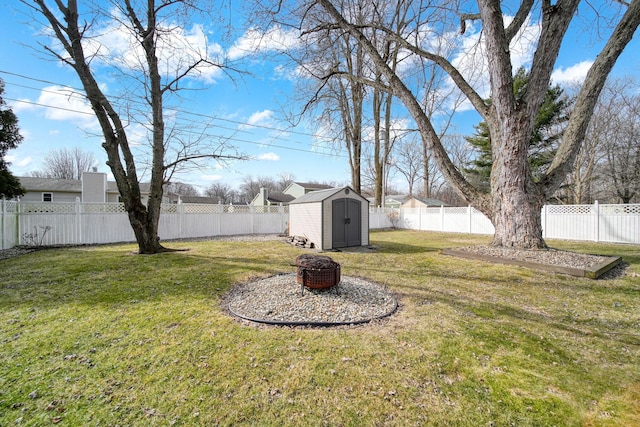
[[456, 210], [619, 209], [10, 206], [199, 208], [168, 208], [47, 207], [103, 208], [591, 209], [569, 209]]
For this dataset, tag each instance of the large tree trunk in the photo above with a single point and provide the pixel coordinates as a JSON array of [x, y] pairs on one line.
[[144, 220], [516, 202]]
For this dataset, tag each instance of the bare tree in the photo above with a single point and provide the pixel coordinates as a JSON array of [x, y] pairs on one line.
[[284, 180], [148, 24], [223, 192], [409, 163], [66, 163], [620, 142], [516, 198], [181, 189], [250, 187]]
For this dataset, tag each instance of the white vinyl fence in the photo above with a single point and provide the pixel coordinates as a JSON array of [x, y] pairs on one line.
[[598, 223], [28, 223]]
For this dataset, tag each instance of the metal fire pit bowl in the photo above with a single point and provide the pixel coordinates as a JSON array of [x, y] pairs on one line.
[[317, 271]]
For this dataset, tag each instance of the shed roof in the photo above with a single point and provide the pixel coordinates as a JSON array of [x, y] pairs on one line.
[[320, 195]]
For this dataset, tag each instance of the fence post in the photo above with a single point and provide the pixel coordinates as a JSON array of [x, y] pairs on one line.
[[252, 215], [441, 217], [18, 223], [596, 211], [78, 226], [2, 220], [469, 209], [544, 221]]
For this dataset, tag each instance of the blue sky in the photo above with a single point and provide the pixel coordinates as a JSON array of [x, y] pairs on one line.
[[247, 109]]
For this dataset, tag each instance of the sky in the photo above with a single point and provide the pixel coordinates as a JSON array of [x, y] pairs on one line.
[[245, 109]]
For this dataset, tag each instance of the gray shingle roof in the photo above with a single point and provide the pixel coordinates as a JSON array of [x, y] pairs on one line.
[[50, 184], [31, 183], [312, 185], [278, 197]]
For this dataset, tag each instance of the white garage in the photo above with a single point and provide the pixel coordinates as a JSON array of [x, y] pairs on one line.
[[331, 219]]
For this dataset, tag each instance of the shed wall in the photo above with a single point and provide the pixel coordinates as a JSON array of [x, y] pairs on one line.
[[305, 220]]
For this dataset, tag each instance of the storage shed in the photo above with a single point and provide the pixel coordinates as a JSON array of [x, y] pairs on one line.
[[331, 218]]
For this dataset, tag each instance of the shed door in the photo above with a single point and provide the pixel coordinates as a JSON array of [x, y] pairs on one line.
[[346, 216]]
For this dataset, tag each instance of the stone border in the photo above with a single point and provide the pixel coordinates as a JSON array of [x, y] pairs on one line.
[[593, 272]]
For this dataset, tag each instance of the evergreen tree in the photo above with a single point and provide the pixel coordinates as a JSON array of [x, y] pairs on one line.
[[9, 138], [544, 138]]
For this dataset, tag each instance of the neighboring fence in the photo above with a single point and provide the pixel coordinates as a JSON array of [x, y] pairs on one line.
[[8, 224], [598, 223], [26, 223]]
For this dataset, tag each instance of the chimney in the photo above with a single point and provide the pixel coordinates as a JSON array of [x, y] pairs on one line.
[[264, 193]]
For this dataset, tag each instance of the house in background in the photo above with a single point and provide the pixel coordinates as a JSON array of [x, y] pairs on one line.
[[292, 192], [422, 202], [271, 198], [202, 200], [391, 200], [92, 188], [297, 189]]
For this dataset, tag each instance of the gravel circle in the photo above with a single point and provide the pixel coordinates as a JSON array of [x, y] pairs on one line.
[[280, 300]]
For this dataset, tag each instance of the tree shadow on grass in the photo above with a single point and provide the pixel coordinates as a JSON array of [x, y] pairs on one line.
[[493, 313], [98, 277]]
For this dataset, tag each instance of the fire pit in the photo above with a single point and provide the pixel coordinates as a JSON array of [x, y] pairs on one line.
[[317, 271]]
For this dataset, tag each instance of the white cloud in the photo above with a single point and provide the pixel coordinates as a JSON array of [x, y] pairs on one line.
[[268, 156], [260, 117], [254, 41], [211, 177], [66, 104], [23, 104], [16, 161], [178, 49], [264, 119], [573, 74], [61, 103]]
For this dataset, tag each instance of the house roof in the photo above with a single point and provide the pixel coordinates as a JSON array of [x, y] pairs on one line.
[[50, 184], [200, 199], [31, 183], [278, 197], [399, 198], [320, 195], [313, 185], [428, 201]]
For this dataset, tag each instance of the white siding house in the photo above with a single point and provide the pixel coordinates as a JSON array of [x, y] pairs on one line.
[[331, 218], [298, 189], [93, 187]]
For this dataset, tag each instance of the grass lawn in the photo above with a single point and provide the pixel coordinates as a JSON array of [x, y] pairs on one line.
[[98, 336]]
